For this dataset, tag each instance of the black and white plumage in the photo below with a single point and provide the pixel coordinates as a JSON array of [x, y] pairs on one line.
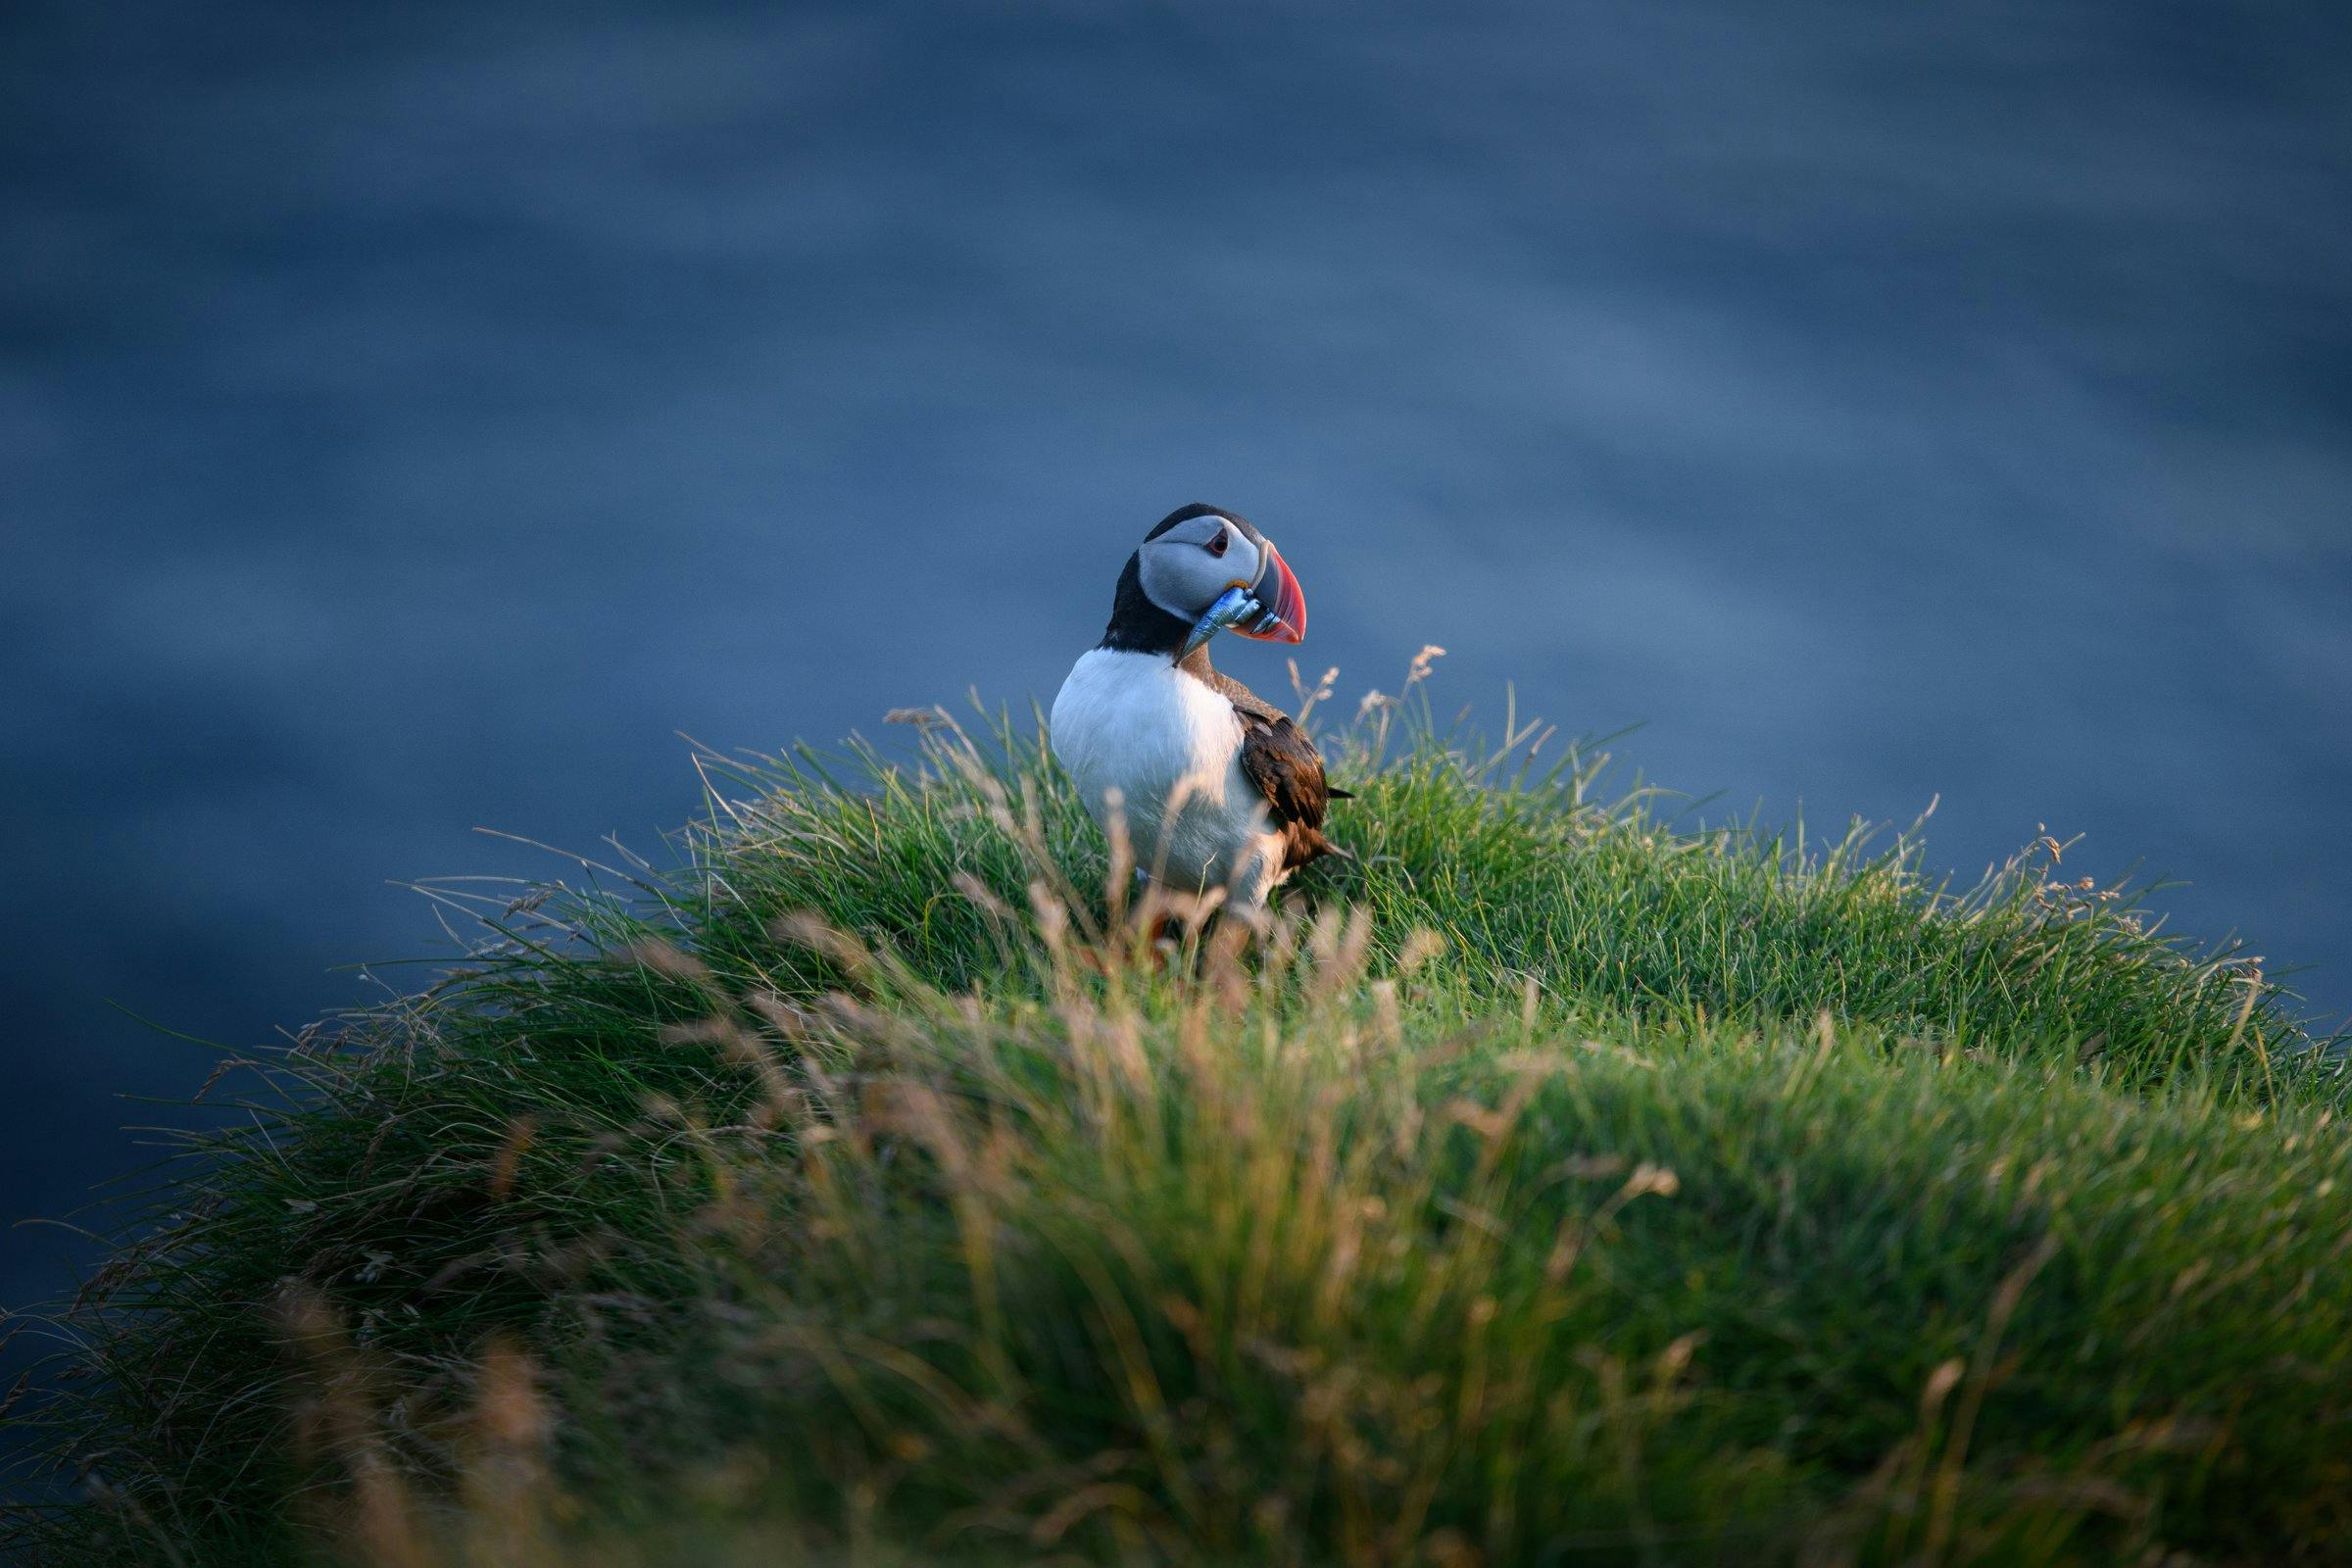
[[1217, 788]]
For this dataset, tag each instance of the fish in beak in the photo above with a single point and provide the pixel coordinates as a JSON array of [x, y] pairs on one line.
[[1272, 610]]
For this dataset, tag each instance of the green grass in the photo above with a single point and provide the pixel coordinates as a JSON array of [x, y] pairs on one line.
[[1554, 1184]]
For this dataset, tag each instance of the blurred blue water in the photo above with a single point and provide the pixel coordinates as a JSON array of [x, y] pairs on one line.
[[412, 417]]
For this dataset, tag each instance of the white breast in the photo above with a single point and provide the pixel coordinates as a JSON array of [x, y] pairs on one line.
[[1170, 746]]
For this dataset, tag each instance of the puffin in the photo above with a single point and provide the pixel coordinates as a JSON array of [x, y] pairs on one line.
[[1219, 791]]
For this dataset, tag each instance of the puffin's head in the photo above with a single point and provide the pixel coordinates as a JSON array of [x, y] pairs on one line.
[[1211, 569]]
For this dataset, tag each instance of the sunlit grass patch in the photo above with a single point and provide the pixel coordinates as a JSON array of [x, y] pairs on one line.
[[1551, 1184], [1527, 868]]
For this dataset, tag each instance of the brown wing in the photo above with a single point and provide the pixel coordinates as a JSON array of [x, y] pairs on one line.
[[1287, 771], [1284, 764]]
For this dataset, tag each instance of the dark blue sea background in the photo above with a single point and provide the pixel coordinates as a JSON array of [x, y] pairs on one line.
[[412, 419]]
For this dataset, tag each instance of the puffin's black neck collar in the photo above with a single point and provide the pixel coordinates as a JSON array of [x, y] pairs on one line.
[[1137, 624]]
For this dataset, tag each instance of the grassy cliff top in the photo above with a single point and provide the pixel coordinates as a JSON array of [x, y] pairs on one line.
[[1551, 1184]]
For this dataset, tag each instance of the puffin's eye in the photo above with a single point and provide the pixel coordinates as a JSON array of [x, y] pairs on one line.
[[1216, 546]]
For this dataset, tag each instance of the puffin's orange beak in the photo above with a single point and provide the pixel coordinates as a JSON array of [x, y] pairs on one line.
[[1285, 617]]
